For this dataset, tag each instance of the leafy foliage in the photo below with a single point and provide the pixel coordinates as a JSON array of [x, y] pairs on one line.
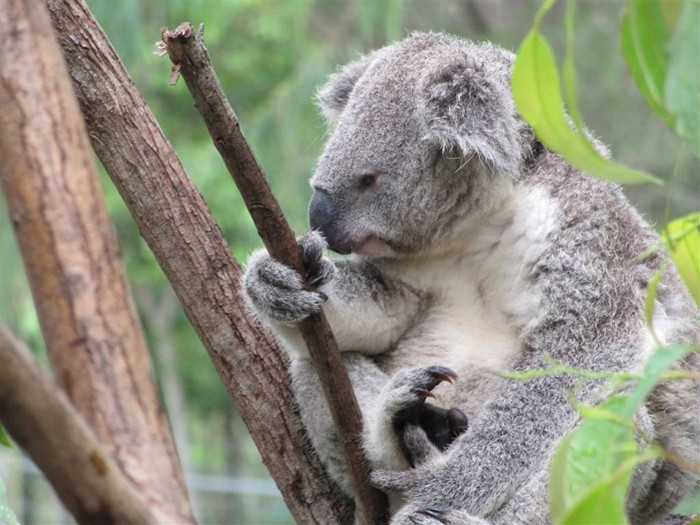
[[682, 239], [537, 94], [665, 70], [645, 39], [682, 94], [592, 468]]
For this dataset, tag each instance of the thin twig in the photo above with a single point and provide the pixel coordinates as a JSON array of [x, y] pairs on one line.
[[191, 59]]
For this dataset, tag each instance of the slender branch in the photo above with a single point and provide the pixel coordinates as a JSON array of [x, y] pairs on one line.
[[77, 277], [191, 59], [42, 421], [188, 244]]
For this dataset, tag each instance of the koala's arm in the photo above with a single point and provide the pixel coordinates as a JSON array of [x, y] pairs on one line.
[[367, 311]]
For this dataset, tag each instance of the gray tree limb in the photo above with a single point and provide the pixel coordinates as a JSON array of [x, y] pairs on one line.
[[39, 417]]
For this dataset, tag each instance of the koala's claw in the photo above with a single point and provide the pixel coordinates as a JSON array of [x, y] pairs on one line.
[[411, 387], [436, 514], [420, 392], [432, 516], [444, 374], [319, 269]]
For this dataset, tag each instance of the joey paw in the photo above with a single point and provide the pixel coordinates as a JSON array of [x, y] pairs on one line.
[[404, 403], [409, 389]]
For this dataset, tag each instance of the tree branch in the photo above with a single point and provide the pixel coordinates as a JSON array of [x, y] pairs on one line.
[[187, 242], [42, 421], [191, 59], [85, 308]]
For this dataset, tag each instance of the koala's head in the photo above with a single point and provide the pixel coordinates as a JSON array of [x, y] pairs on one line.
[[421, 131]]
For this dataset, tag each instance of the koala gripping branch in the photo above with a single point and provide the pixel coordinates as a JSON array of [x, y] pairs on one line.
[[191, 59]]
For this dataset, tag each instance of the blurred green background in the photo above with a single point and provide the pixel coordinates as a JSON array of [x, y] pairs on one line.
[[271, 56]]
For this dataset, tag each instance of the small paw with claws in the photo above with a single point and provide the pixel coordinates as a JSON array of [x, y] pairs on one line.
[[280, 293], [413, 419]]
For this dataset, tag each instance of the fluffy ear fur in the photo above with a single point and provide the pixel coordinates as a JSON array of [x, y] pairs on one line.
[[334, 95], [469, 110]]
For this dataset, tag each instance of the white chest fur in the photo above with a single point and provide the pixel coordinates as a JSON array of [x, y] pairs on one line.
[[481, 291]]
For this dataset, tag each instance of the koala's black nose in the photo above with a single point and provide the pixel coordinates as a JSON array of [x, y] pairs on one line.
[[321, 210]]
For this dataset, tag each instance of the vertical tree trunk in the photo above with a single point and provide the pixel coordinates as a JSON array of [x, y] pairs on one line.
[[189, 246], [72, 259]]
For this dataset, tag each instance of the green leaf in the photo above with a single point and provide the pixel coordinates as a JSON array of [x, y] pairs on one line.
[[659, 362], [605, 503], [682, 93], [4, 440], [682, 239], [537, 94], [570, 90], [645, 41], [650, 303], [592, 468]]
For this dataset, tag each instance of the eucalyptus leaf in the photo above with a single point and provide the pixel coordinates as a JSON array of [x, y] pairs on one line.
[[592, 465], [537, 94], [650, 304], [645, 41], [659, 362], [682, 90], [4, 440], [605, 503], [682, 239]]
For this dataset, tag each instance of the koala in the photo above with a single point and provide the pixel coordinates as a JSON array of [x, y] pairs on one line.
[[471, 250]]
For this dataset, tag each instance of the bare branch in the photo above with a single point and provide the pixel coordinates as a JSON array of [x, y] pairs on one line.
[[67, 240], [191, 60], [42, 421], [189, 246]]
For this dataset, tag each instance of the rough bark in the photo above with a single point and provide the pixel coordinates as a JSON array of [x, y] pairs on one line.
[[72, 259], [189, 246], [191, 59], [43, 422]]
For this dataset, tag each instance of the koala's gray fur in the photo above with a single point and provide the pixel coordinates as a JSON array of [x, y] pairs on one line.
[[476, 248]]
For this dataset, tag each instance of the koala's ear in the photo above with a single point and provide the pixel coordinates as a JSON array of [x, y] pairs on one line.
[[333, 96], [468, 109]]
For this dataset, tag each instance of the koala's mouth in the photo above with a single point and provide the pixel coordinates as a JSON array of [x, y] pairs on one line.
[[371, 246]]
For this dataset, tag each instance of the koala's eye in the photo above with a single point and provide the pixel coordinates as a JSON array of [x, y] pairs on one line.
[[367, 181]]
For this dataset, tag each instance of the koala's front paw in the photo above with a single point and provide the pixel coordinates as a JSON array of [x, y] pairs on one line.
[[280, 293]]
